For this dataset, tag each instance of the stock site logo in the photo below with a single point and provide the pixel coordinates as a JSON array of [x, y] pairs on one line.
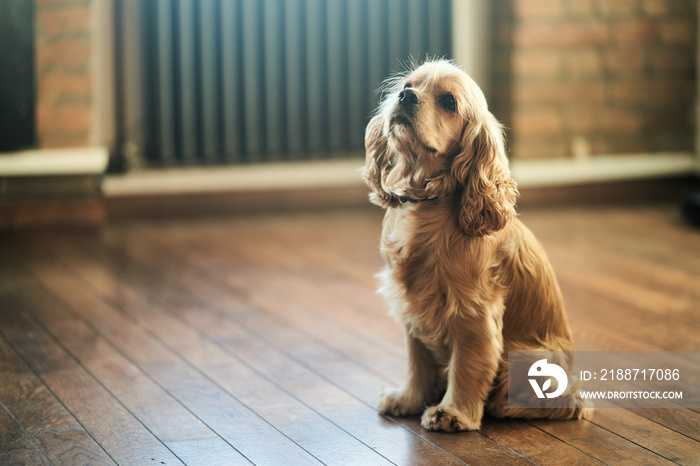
[[542, 368]]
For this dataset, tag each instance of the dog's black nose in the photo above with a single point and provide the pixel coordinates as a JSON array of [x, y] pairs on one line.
[[409, 97]]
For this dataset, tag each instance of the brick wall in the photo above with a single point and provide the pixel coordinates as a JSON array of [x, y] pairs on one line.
[[573, 77], [63, 55]]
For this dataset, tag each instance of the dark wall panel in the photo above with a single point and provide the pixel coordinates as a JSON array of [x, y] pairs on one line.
[[17, 87]]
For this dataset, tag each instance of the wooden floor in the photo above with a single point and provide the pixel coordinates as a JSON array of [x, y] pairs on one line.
[[259, 339]]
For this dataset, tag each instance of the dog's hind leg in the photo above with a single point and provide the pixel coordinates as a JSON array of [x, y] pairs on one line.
[[568, 405]]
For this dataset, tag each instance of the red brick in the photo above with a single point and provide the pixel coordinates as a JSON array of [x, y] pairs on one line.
[[50, 140], [53, 23], [59, 84], [535, 10], [625, 59], [56, 118], [678, 31], [648, 92], [587, 91], [631, 91], [541, 121], [629, 144], [655, 8], [665, 116], [583, 63], [561, 35], [674, 59], [590, 32], [581, 8], [633, 31], [625, 76], [615, 120], [63, 54], [682, 7], [678, 91], [581, 120], [678, 140], [616, 8], [536, 35], [535, 92], [539, 148], [538, 64]]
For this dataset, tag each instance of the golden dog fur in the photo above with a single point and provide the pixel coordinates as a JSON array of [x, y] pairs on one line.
[[465, 277]]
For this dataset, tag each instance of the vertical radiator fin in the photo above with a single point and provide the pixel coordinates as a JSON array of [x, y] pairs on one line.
[[209, 85], [187, 89], [236, 81]]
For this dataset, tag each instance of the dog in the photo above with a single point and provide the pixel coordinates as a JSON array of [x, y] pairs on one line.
[[468, 281]]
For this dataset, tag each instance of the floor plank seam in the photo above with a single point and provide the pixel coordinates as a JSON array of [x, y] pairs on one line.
[[92, 375], [258, 338], [12, 415], [119, 351], [668, 427], [291, 324], [38, 376], [214, 382], [212, 340], [568, 443], [320, 375], [216, 278], [633, 442]]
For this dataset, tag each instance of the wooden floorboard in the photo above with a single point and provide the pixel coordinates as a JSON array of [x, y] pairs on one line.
[[259, 339], [54, 429], [124, 438], [230, 371], [301, 345], [236, 423], [17, 446]]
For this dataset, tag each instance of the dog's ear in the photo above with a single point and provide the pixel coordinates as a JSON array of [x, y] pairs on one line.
[[489, 193], [377, 162]]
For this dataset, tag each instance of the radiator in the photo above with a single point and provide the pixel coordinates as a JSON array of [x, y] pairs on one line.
[[235, 81]]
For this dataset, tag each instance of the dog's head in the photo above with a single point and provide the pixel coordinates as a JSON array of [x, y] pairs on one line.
[[434, 137]]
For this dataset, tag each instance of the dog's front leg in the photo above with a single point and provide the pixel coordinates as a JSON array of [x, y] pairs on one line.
[[477, 345], [419, 384]]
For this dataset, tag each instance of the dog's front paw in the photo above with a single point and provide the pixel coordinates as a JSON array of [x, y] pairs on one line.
[[446, 419], [398, 403]]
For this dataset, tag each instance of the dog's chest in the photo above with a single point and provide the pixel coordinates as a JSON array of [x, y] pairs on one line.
[[410, 235], [396, 237], [417, 276]]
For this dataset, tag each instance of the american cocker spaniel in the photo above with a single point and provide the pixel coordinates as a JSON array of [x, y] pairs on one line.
[[465, 277]]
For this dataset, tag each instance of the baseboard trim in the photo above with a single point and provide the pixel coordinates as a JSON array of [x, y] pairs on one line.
[[54, 162], [323, 174], [343, 173], [52, 188], [319, 184], [670, 189], [603, 168]]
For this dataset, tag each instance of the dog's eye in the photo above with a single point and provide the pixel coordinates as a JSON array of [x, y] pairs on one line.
[[408, 85], [448, 102]]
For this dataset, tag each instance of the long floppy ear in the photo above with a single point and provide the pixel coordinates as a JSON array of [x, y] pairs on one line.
[[376, 162], [488, 200]]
